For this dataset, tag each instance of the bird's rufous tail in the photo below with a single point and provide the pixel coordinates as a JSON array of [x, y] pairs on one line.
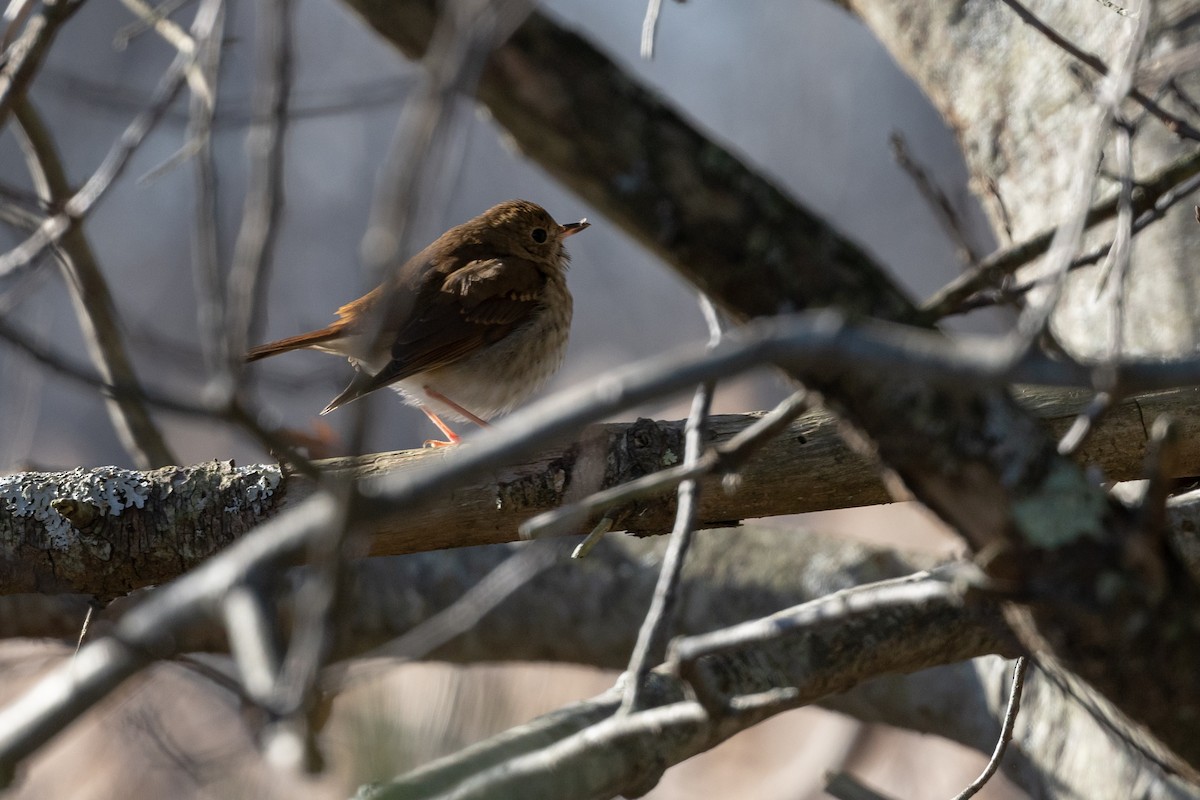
[[298, 342]]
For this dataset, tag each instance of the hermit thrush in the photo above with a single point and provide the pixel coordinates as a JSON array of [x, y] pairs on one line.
[[474, 323]]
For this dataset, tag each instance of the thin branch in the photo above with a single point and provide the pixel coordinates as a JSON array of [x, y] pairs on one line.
[[264, 195], [1116, 264], [1161, 457], [1113, 275], [650, 28], [250, 624], [660, 615], [810, 341], [941, 206], [23, 58], [94, 305], [1085, 422], [1006, 731], [510, 575], [113, 165], [206, 239], [173, 35], [145, 22]]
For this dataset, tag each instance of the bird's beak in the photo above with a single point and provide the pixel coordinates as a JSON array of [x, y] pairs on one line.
[[572, 228]]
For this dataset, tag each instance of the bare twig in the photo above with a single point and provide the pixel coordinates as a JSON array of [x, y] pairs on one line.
[[95, 308], [82, 201], [813, 341], [944, 585], [1116, 264], [650, 28], [251, 626], [1085, 422], [264, 195], [1113, 275], [173, 35], [941, 206], [23, 58], [206, 242], [146, 22], [660, 615], [1006, 731]]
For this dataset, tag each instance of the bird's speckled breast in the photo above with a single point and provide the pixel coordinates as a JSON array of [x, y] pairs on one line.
[[497, 378]]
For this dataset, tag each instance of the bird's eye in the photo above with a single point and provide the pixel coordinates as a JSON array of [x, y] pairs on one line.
[[539, 235]]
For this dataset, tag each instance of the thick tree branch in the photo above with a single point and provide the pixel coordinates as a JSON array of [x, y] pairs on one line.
[[108, 531]]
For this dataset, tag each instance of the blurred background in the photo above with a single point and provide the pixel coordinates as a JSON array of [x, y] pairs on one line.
[[798, 89]]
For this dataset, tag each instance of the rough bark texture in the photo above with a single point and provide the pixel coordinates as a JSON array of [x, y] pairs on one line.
[[107, 531]]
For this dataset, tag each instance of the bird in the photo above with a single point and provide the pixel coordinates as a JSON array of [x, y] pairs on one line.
[[467, 328]]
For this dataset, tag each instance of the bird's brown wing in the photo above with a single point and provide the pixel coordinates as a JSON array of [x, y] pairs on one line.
[[474, 305]]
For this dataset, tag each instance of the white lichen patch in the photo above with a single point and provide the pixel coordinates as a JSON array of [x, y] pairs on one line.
[[259, 483], [110, 490]]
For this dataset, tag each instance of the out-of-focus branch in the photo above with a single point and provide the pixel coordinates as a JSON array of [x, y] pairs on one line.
[[23, 57], [94, 305], [264, 195], [81, 202]]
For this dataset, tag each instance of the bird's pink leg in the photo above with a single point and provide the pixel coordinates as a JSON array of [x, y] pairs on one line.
[[441, 398], [451, 436]]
